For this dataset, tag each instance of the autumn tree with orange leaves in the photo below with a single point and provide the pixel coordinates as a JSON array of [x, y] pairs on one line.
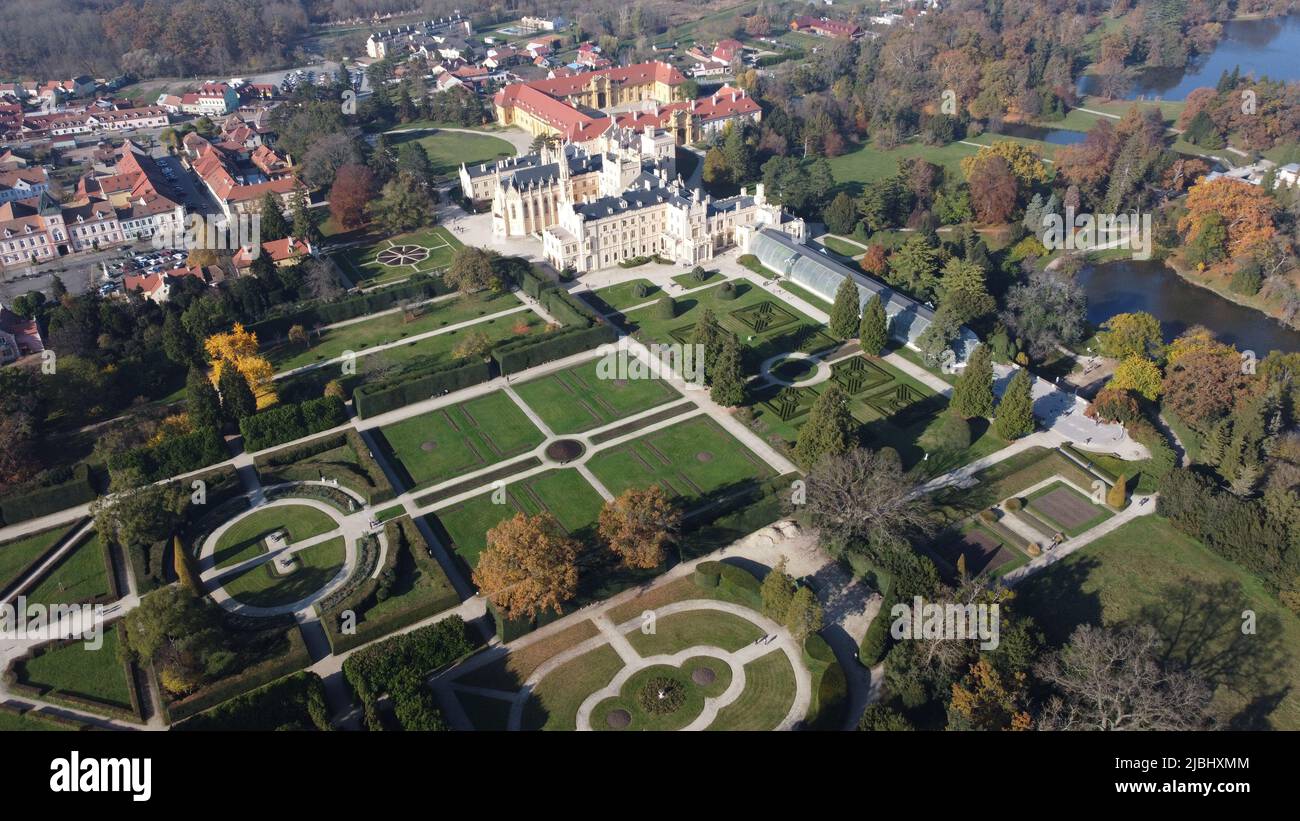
[[237, 348], [987, 700], [529, 565], [1246, 210], [639, 526]]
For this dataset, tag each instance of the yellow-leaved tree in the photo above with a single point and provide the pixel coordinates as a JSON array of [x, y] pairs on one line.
[[238, 348]]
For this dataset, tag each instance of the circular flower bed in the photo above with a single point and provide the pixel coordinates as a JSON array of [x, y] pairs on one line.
[[661, 695], [564, 450]]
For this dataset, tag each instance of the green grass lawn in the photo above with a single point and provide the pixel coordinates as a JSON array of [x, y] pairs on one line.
[[448, 149], [556, 698], [806, 295], [695, 694], [692, 461], [624, 295], [262, 587], [577, 399], [764, 323], [389, 328], [31, 721], [447, 442], [868, 163], [420, 251], [769, 692], [16, 556], [244, 538], [839, 246], [563, 492], [1147, 572], [688, 280], [76, 670], [81, 576], [679, 631]]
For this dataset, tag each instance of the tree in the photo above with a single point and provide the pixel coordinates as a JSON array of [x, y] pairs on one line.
[[987, 699], [320, 279], [528, 566], [841, 215], [1015, 411], [471, 270], [708, 334], [777, 592], [993, 191], [237, 349], [973, 394], [862, 494], [304, 225], [142, 515], [844, 311], [183, 564], [1119, 679], [1117, 495], [1048, 310], [353, 189], [237, 399], [405, 204], [201, 401], [805, 615], [298, 335], [272, 222], [728, 378], [914, 266], [829, 429], [639, 525], [1132, 334], [1246, 211], [1202, 384], [1139, 375], [474, 345], [873, 331]]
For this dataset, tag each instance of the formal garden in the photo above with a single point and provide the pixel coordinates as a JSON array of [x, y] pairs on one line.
[[389, 259], [705, 658]]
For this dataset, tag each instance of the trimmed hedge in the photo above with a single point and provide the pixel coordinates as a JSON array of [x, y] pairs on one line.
[[34, 502], [404, 389], [374, 670], [408, 554], [522, 354], [708, 574], [741, 583], [288, 422], [295, 702], [174, 456], [297, 463], [294, 659], [327, 313], [21, 575]]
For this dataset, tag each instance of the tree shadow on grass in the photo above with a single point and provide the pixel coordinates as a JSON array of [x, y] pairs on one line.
[[1057, 601], [1200, 624]]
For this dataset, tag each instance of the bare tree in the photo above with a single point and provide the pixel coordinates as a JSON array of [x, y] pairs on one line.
[[864, 493], [1114, 680]]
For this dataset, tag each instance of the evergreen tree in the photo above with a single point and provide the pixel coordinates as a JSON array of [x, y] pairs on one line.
[[777, 591], [805, 615], [874, 329], [1117, 496], [201, 401], [304, 227], [728, 378], [708, 334], [1216, 444], [973, 394], [830, 428], [844, 312], [237, 399], [1242, 463], [272, 224], [183, 564], [1015, 416]]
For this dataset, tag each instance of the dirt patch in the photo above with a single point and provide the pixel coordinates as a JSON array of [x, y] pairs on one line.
[[564, 450], [703, 676], [704, 456], [1065, 507], [618, 719], [429, 447]]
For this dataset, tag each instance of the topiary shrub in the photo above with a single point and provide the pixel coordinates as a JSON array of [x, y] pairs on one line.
[[988, 515], [665, 308], [708, 574], [661, 695], [876, 642], [1033, 549], [818, 650], [727, 290], [641, 290], [742, 583], [1013, 504]]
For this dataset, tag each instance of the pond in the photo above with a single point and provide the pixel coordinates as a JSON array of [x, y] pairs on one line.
[[1055, 136], [1123, 286], [1265, 47]]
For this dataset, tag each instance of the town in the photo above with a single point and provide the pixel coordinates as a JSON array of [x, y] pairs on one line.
[[873, 365]]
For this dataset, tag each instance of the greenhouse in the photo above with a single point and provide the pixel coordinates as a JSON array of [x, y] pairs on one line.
[[819, 273]]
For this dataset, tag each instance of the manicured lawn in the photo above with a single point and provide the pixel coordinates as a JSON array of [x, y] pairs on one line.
[[688, 711], [450, 441], [77, 670], [389, 328], [691, 460], [839, 246], [31, 721], [577, 399], [769, 692], [448, 149], [806, 295], [556, 698], [562, 492], [82, 575], [261, 587], [17, 556], [1147, 572], [244, 538], [398, 257], [689, 281], [511, 671], [868, 163], [624, 295], [679, 631], [763, 322]]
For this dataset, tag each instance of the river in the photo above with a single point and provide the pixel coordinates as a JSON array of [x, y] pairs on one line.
[[1124, 286], [1266, 47]]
